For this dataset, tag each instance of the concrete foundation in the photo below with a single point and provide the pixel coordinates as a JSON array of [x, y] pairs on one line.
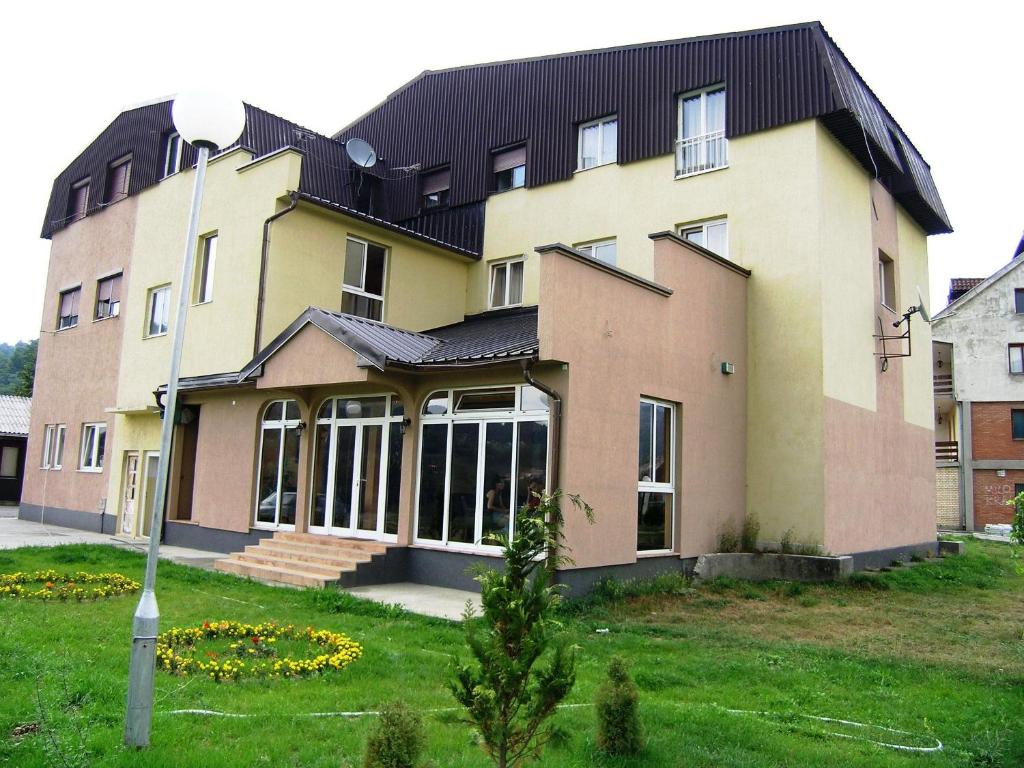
[[765, 567]]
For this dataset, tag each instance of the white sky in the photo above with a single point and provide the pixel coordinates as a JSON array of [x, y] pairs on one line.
[[951, 75]]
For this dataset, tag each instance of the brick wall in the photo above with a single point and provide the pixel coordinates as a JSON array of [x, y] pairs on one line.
[[991, 433], [947, 497], [991, 493]]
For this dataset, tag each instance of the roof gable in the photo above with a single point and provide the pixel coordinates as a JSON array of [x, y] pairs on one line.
[[980, 288]]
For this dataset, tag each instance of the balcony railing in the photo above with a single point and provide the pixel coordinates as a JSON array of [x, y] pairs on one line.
[[943, 384], [702, 153], [947, 450]]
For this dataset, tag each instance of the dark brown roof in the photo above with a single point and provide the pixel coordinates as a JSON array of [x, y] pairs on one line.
[[773, 77]]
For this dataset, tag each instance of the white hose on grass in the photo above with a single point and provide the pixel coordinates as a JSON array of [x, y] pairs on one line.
[[363, 713]]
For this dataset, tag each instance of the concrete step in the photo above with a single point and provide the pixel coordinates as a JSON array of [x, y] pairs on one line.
[[272, 573], [324, 552], [332, 572], [366, 545]]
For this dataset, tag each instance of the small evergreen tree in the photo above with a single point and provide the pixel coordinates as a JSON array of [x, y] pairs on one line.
[[618, 719], [396, 740], [507, 695]]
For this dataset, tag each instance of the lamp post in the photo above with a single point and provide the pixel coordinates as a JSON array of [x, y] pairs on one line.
[[206, 120]]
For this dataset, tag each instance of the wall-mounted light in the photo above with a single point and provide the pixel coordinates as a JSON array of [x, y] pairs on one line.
[[728, 368], [300, 428], [405, 423], [939, 363]]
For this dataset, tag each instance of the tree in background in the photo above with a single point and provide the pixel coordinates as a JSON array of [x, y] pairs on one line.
[[507, 694], [18, 368]]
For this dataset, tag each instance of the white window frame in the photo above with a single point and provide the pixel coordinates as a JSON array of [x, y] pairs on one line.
[[518, 415], [94, 461], [207, 266], [359, 290], [704, 133], [589, 248], [506, 264], [684, 229], [49, 432], [282, 425], [150, 306], [667, 488], [885, 262], [600, 142], [177, 145]]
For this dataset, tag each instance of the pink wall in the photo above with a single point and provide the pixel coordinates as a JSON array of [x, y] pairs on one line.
[[622, 341]]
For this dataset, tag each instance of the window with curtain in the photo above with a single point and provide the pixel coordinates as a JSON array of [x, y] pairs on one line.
[[67, 312], [435, 188], [701, 144], [507, 284], [108, 297], [598, 143]]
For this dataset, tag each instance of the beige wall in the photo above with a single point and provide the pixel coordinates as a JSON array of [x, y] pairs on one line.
[[622, 342], [77, 368], [425, 286]]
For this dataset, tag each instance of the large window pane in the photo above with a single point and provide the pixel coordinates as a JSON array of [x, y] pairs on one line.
[[394, 481], [691, 117], [485, 400], [289, 476], [662, 444], [531, 462], [368, 490], [515, 282], [374, 280], [320, 470], [588, 154], [267, 490], [362, 408], [354, 264], [462, 493], [344, 463], [715, 111], [718, 241], [646, 428], [497, 478], [433, 467], [654, 530], [609, 141], [498, 285]]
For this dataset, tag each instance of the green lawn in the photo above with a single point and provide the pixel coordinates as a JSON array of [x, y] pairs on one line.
[[936, 650]]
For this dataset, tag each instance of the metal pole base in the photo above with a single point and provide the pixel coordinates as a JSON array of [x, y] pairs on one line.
[[145, 628]]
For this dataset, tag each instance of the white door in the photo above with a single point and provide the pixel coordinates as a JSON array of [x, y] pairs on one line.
[[131, 492]]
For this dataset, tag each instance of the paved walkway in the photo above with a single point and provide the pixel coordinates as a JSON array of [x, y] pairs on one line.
[[418, 598]]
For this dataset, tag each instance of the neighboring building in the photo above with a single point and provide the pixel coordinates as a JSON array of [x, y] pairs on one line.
[[978, 351], [652, 275], [15, 414]]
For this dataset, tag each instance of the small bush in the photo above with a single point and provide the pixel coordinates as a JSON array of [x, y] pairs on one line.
[[396, 739], [728, 540], [793, 589], [618, 719], [807, 548], [748, 535], [786, 544]]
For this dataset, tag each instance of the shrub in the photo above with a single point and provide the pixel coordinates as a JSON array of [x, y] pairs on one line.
[[396, 739], [618, 720], [728, 540], [749, 533], [786, 545]]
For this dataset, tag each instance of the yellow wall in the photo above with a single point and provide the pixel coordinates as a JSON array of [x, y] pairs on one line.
[[425, 286], [768, 195]]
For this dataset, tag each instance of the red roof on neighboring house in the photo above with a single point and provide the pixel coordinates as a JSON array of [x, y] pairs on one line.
[[964, 283]]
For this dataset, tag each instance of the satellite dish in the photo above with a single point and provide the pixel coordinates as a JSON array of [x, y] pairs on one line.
[[921, 307], [361, 153]]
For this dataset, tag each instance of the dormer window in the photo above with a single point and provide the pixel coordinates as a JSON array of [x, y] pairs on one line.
[[172, 154], [510, 169], [435, 187], [701, 144], [118, 174], [598, 143], [78, 200]]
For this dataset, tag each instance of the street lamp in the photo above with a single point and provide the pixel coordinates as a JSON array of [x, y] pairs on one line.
[[206, 120]]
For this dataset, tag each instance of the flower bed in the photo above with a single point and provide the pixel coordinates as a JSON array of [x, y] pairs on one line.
[[51, 585], [268, 650]]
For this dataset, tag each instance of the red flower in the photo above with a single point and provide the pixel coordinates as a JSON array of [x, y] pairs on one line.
[[206, 625], [255, 640], [49, 585]]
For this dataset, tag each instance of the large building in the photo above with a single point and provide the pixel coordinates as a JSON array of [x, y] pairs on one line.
[[653, 275], [978, 351]]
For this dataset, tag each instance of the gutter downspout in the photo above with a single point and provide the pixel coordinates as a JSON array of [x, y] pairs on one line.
[[556, 421], [264, 255]]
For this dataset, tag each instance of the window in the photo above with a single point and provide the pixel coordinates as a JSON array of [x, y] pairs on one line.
[[1017, 423], [510, 169], [118, 174], [886, 281], [278, 480], [108, 297], [507, 284], [435, 187], [78, 200], [1018, 300], [172, 154], [158, 312], [712, 234], [483, 455], [598, 143], [701, 144], [53, 446], [67, 308], [94, 441], [362, 292], [207, 262], [1016, 352], [602, 250], [9, 461], [656, 476], [1018, 489]]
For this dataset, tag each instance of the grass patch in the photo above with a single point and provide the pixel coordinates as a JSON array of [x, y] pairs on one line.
[[937, 652]]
